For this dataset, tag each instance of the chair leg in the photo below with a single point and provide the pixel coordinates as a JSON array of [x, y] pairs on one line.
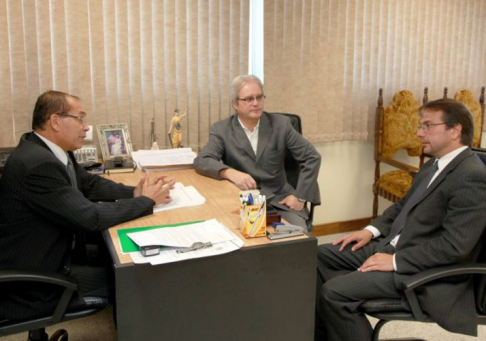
[[59, 335], [38, 335], [376, 331]]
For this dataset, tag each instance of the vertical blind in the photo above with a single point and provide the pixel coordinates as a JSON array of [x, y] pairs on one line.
[[326, 59], [130, 61]]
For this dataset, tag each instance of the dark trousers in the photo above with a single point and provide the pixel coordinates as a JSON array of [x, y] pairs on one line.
[[94, 281], [341, 289]]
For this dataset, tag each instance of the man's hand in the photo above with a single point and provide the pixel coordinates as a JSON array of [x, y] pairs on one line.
[[157, 188], [378, 262], [138, 190], [361, 238], [292, 202], [242, 180]]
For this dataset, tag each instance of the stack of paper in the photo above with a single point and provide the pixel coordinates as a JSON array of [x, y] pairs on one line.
[[164, 159], [222, 239], [182, 196]]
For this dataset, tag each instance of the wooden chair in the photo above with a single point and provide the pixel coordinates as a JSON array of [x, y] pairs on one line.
[[395, 129], [477, 110]]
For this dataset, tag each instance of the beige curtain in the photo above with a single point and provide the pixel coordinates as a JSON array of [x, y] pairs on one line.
[[130, 61], [326, 59]]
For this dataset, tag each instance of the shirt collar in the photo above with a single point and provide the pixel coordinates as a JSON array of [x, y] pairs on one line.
[[58, 151], [245, 128], [446, 159]]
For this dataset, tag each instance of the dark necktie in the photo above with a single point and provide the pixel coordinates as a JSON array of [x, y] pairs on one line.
[[71, 173], [419, 190]]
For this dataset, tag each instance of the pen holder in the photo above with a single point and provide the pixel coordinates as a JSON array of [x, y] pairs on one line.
[[253, 220]]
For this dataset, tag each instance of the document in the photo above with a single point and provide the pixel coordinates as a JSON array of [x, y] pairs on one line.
[[184, 236], [223, 241], [182, 196], [164, 159]]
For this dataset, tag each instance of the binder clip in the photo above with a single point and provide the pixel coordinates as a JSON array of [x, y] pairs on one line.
[[150, 250], [195, 246]]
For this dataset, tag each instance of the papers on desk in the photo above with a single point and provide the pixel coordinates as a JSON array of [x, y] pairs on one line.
[[223, 241], [164, 159], [182, 196]]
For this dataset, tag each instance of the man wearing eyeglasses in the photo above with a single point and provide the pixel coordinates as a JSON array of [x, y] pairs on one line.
[[45, 196], [439, 222], [249, 148]]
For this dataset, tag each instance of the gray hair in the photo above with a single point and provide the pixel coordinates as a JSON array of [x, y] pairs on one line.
[[239, 82]]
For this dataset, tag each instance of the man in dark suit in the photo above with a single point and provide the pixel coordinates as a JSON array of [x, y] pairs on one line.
[[42, 204], [439, 222], [249, 148]]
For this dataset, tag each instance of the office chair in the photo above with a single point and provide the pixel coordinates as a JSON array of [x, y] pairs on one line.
[[395, 129], [292, 168], [65, 310], [386, 310]]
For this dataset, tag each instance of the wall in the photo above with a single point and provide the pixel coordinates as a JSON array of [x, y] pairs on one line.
[[346, 180]]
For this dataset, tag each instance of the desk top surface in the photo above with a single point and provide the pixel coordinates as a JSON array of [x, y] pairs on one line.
[[222, 204]]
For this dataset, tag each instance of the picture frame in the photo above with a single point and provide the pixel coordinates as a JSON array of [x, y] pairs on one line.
[[114, 141]]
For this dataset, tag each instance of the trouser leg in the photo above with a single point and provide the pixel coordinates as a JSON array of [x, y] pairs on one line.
[[341, 289]]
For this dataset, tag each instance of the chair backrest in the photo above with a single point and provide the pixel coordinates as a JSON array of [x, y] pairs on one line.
[[397, 126], [480, 280], [477, 110], [292, 168]]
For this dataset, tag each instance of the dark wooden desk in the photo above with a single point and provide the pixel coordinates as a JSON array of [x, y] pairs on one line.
[[265, 291]]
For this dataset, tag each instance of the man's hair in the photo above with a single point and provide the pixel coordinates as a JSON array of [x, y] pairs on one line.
[[453, 113], [239, 82], [49, 103]]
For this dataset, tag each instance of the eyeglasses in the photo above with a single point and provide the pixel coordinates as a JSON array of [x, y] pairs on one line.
[[249, 100], [80, 119], [427, 126]]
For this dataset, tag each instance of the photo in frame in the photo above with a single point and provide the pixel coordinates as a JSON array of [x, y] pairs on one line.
[[114, 141]]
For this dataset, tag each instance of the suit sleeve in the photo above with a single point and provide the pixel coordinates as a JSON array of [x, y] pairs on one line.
[[305, 153], [47, 191], [209, 160]]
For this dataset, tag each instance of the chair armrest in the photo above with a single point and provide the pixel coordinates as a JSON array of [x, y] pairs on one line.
[[400, 165], [36, 276], [69, 284], [427, 276]]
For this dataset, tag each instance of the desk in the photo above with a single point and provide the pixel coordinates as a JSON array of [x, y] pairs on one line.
[[264, 291]]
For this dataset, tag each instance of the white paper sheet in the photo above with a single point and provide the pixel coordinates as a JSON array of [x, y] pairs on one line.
[[182, 196], [223, 240], [184, 236]]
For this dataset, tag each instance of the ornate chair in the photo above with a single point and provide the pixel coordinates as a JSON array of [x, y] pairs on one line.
[[395, 129], [477, 110]]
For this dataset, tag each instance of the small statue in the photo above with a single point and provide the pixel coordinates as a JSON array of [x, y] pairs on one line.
[[155, 146], [175, 130]]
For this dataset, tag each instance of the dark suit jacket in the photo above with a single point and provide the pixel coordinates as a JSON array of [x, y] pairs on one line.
[[228, 146], [40, 210], [446, 227]]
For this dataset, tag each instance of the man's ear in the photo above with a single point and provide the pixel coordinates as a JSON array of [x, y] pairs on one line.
[[457, 132], [54, 122], [234, 105]]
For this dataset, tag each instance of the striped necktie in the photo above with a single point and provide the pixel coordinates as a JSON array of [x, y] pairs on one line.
[[71, 172], [414, 198]]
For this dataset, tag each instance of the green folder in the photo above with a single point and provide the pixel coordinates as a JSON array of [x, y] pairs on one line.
[[127, 245]]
